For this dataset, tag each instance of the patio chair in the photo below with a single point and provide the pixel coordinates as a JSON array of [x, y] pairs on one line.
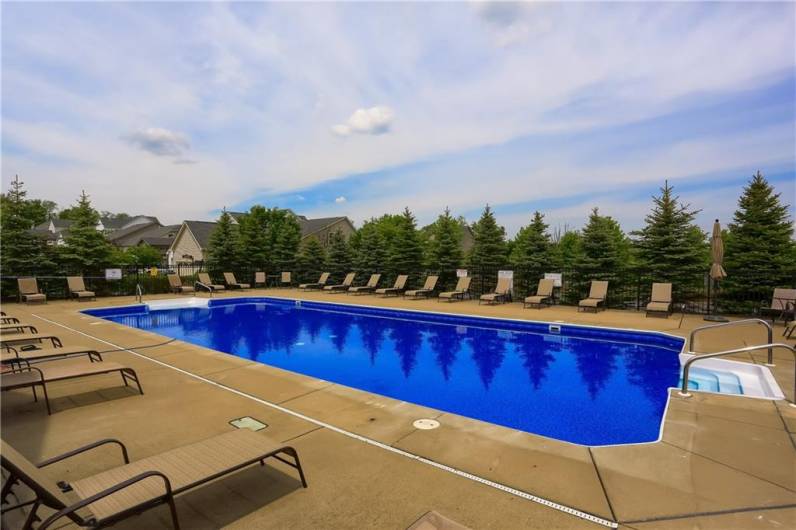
[[543, 296], [133, 488], [426, 291], [260, 279], [317, 285], [596, 299], [780, 300], [23, 375], [232, 283], [373, 282], [5, 319], [17, 328], [29, 291], [459, 292], [77, 288], [204, 279], [17, 339], [349, 279], [660, 300], [175, 282], [501, 293], [286, 279], [398, 287], [11, 354]]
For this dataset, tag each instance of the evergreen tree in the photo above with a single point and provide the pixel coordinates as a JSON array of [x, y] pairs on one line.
[[444, 245], [287, 240], [224, 247], [759, 241], [144, 255], [566, 253], [370, 253], [489, 245], [671, 246], [253, 230], [532, 246], [605, 249], [406, 253], [339, 256], [22, 252], [311, 260], [86, 247]]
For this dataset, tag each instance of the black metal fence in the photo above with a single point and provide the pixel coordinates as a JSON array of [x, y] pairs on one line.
[[628, 289]]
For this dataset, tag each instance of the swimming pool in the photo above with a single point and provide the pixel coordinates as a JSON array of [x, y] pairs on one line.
[[591, 386]]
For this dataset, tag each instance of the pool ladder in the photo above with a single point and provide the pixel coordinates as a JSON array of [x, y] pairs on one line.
[[139, 293], [770, 346]]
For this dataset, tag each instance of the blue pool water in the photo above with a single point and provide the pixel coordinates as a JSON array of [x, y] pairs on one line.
[[589, 386]]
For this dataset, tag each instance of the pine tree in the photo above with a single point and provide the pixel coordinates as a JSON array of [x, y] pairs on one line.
[[86, 247], [605, 249], [22, 251], [311, 260], [532, 246], [444, 247], [288, 238], [671, 246], [489, 245], [339, 255], [759, 241], [567, 252], [224, 247], [370, 253], [253, 230], [406, 253]]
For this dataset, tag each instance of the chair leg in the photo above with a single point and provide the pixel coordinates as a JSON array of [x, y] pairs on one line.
[[46, 398], [175, 521], [32, 517]]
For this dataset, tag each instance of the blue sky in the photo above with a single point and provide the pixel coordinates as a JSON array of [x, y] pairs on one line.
[[357, 109]]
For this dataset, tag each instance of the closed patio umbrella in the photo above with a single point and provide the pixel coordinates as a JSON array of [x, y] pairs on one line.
[[717, 272]]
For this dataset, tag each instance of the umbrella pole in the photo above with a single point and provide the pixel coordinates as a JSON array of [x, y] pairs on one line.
[[710, 317]]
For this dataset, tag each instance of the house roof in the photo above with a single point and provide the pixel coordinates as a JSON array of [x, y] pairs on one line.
[[122, 234], [311, 226], [201, 230], [158, 242]]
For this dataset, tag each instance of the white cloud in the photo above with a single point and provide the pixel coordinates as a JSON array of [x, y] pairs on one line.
[[160, 142], [375, 120], [340, 200]]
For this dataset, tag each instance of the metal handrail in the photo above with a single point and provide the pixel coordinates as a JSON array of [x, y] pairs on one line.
[[687, 366], [736, 323], [139, 293]]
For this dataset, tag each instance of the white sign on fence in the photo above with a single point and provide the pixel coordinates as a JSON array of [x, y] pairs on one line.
[[555, 276], [113, 274], [461, 273], [508, 275]]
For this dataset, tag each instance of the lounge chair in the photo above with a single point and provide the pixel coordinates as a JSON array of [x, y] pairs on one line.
[[232, 283], [373, 282], [5, 319], [13, 354], [29, 291], [77, 288], [596, 299], [205, 280], [260, 279], [17, 339], [459, 292], [175, 282], [501, 293], [543, 296], [660, 300], [398, 287], [426, 291], [286, 279], [317, 285], [24, 375], [17, 328], [349, 279], [780, 301], [133, 488]]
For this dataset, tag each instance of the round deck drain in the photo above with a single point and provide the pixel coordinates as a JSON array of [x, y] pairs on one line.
[[426, 424]]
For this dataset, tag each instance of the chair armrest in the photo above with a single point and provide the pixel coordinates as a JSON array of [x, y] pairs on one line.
[[110, 491], [85, 448]]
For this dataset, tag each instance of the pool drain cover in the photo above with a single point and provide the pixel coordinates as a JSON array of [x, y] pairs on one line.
[[426, 424], [247, 422]]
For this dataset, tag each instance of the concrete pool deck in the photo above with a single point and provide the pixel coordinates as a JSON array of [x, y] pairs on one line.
[[723, 461]]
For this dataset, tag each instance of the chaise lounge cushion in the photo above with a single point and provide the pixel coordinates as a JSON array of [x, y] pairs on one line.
[[591, 302]]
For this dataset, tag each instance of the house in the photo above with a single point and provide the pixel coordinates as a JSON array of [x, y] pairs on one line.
[[56, 230], [193, 237]]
